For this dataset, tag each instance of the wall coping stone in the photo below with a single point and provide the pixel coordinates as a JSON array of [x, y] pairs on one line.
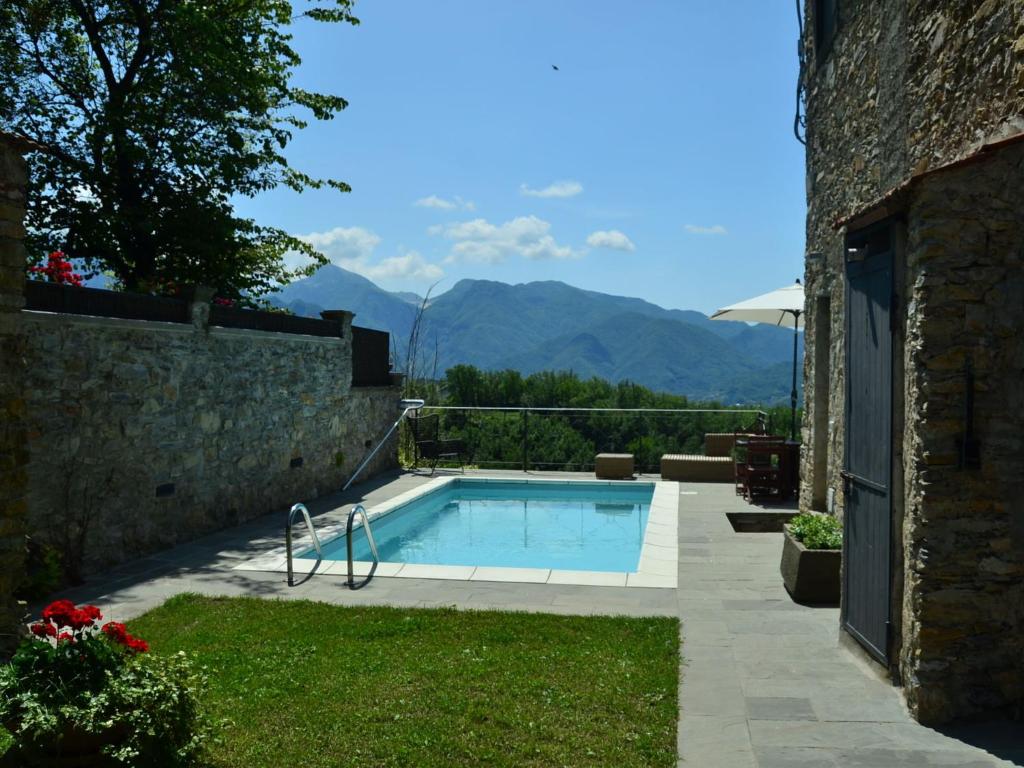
[[157, 325]]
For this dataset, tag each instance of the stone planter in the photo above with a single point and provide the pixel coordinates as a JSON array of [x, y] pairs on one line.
[[810, 575]]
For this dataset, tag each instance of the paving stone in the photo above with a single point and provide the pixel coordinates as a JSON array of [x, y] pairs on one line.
[[779, 708]]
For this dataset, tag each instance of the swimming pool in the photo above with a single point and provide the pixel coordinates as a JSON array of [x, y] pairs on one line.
[[585, 526], [586, 532]]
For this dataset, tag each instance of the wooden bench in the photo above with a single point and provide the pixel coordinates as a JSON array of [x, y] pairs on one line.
[[694, 468], [614, 466]]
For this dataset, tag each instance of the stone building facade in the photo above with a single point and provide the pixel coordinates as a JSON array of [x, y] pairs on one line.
[[146, 434], [13, 456], [915, 187]]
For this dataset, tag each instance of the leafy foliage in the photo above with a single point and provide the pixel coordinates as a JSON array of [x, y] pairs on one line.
[[817, 531], [73, 681], [154, 114]]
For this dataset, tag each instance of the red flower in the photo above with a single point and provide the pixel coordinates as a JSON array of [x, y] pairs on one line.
[[59, 611], [79, 619], [43, 629], [137, 644], [92, 612], [63, 613], [116, 631], [65, 636], [58, 270]]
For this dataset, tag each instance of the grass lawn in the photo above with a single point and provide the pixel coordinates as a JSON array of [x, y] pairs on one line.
[[309, 684]]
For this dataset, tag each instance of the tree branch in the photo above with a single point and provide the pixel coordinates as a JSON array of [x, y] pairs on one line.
[[92, 30]]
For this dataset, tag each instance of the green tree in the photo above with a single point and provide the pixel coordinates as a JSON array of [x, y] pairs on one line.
[[154, 114]]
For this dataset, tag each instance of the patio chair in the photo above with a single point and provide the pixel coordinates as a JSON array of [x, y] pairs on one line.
[[756, 471], [429, 446]]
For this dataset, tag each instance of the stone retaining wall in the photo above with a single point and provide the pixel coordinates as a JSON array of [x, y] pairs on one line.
[[144, 434], [13, 177]]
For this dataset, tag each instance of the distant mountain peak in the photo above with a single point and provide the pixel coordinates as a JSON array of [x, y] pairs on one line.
[[551, 325]]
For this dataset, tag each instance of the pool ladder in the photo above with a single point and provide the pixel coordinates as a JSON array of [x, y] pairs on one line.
[[359, 510]]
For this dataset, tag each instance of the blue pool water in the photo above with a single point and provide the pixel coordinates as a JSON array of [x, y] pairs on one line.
[[566, 526]]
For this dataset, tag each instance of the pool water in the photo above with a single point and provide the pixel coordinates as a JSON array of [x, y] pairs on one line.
[[560, 525]]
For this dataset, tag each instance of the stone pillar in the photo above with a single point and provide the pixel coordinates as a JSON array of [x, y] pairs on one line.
[[199, 298], [343, 316], [13, 450]]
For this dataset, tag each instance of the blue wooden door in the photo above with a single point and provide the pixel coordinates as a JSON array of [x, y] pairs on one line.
[[867, 474]]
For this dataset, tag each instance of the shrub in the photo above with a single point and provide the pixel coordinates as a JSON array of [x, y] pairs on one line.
[[817, 531], [76, 686]]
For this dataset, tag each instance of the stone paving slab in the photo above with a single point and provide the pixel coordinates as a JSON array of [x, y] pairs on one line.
[[765, 681]]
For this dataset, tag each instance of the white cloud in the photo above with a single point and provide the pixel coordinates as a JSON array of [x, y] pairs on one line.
[[433, 201], [411, 266], [557, 189], [344, 243], [480, 241], [715, 229], [611, 238], [353, 248]]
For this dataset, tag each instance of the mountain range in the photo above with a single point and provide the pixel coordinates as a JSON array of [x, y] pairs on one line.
[[553, 326]]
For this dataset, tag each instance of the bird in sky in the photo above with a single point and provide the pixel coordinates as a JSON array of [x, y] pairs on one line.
[[554, 68]]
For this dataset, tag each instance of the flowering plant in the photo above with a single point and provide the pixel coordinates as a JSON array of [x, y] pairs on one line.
[[79, 686], [58, 270]]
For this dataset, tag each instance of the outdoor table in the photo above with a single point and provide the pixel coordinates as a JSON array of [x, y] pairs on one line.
[[769, 467]]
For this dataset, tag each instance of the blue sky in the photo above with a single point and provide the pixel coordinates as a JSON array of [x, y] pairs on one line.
[[657, 162]]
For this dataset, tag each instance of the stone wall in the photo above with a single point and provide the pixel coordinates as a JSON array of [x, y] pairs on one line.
[[910, 86], [963, 530], [13, 176], [144, 434]]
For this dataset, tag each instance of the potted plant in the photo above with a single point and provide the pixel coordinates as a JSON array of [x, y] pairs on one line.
[[811, 558], [81, 693]]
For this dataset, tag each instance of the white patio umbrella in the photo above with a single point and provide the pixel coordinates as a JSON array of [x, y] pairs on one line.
[[779, 307]]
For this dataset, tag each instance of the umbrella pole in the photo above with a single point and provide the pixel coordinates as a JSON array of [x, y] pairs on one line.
[[792, 394]]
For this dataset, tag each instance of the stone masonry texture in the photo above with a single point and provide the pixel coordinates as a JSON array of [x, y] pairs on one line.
[[908, 88], [13, 456], [143, 434]]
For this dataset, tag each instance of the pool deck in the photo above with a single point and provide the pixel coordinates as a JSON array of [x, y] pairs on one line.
[[765, 682]]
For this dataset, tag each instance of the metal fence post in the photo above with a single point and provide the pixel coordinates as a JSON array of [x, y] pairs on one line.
[[526, 440]]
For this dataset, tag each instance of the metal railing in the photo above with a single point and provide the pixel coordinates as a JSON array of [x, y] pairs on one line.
[[361, 511], [553, 438], [296, 508], [407, 406]]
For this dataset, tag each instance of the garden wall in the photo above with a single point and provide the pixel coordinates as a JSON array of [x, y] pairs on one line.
[[146, 434]]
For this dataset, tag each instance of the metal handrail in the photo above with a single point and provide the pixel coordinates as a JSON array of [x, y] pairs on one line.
[[406, 406], [288, 538], [361, 511], [520, 408]]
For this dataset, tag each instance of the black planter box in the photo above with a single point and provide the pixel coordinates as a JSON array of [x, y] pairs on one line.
[[810, 575]]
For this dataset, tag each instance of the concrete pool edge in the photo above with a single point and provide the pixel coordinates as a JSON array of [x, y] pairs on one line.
[[658, 566]]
